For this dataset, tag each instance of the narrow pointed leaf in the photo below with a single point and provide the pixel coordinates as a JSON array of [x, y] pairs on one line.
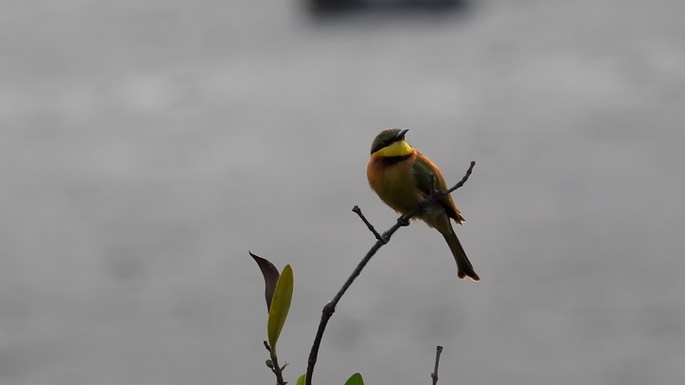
[[280, 304], [300, 380], [356, 379], [270, 274]]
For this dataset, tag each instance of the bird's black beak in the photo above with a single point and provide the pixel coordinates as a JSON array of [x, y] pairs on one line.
[[400, 136]]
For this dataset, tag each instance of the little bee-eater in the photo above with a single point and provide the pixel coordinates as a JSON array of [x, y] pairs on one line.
[[403, 177]]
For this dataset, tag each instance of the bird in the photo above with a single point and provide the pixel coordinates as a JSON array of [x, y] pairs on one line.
[[403, 177]]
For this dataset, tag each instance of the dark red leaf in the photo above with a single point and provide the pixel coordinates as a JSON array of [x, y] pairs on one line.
[[270, 277]]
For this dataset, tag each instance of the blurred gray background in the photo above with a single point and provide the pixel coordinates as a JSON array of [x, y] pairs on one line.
[[145, 146]]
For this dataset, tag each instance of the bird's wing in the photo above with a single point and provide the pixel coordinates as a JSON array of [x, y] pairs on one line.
[[427, 176]]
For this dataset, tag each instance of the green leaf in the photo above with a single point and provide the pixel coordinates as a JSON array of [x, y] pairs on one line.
[[300, 380], [270, 274], [356, 379], [280, 304]]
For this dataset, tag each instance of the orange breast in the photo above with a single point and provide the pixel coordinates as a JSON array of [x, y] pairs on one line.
[[394, 183]]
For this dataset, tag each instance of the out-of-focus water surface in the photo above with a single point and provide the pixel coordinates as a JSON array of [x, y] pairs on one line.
[[145, 146]]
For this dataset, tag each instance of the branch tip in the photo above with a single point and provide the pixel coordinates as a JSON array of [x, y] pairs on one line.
[[434, 375]]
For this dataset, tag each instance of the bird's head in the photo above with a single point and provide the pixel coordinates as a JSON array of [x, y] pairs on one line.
[[390, 143]]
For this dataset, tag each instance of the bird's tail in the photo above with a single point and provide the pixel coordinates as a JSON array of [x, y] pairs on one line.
[[465, 269]]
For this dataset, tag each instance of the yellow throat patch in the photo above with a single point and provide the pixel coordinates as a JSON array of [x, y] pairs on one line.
[[400, 148]]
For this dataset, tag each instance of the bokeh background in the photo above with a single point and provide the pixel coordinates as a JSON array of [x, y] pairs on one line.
[[146, 146]]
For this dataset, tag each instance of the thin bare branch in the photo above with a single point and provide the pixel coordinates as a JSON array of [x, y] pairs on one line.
[[434, 375]]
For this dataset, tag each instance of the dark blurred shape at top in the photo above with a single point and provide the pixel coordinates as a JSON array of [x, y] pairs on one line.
[[335, 7]]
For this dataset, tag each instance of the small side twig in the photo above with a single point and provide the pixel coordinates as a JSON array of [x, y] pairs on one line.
[[381, 239], [272, 363], [434, 375], [368, 224]]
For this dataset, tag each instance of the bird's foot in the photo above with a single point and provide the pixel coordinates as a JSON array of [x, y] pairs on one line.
[[403, 221]]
